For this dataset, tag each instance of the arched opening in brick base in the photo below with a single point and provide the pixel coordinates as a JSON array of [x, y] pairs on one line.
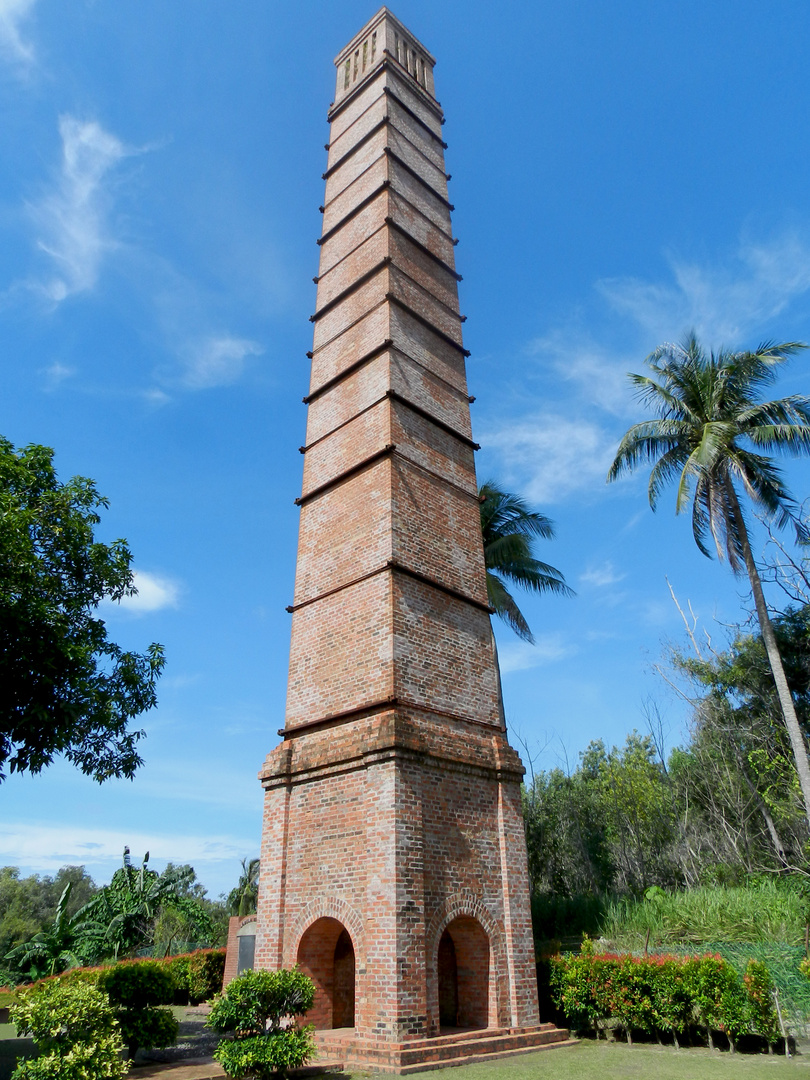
[[448, 982], [463, 963], [326, 954]]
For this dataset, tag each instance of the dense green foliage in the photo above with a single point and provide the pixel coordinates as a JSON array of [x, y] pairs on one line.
[[663, 994], [28, 907], [198, 975], [122, 916], [723, 807], [140, 910], [194, 977], [264, 1056], [136, 989], [67, 689], [257, 1009], [75, 1030], [135, 984], [53, 949], [738, 769]]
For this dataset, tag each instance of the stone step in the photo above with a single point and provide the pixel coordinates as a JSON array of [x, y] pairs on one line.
[[443, 1050], [343, 1037], [471, 1059]]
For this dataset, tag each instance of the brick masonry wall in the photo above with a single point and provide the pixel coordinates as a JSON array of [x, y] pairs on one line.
[[392, 807]]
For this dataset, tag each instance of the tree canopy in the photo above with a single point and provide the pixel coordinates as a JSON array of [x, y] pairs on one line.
[[67, 688]]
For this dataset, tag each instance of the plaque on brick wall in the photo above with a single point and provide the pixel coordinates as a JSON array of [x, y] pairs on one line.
[[246, 938]]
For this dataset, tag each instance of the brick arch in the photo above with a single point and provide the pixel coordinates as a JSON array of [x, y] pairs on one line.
[[326, 908], [465, 903]]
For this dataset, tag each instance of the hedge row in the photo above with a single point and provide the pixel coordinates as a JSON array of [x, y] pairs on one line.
[[195, 976], [664, 994]]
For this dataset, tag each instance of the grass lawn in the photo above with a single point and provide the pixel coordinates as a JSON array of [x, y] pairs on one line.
[[615, 1061]]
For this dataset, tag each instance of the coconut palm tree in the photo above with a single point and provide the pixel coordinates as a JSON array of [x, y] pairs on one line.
[[510, 528], [243, 898], [712, 435]]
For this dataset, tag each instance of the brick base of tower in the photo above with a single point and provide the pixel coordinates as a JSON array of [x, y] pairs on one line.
[[395, 828]]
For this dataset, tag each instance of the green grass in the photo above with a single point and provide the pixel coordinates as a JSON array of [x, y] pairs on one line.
[[612, 1061], [765, 912]]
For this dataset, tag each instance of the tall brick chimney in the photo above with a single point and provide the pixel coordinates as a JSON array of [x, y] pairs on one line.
[[393, 856]]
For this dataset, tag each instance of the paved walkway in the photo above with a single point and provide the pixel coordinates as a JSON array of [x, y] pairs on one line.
[[178, 1070], [201, 1070]]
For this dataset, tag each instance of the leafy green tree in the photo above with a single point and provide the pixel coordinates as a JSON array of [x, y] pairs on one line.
[[53, 949], [510, 529], [566, 837], [712, 435], [175, 931], [609, 826], [740, 767], [67, 689], [121, 918], [28, 906]]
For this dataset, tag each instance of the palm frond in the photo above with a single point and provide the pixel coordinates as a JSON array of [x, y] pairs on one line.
[[509, 529], [506, 608]]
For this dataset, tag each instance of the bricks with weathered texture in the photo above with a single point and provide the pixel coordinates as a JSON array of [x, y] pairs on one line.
[[392, 807]]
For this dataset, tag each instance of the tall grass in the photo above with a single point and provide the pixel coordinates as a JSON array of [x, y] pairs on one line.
[[763, 912]]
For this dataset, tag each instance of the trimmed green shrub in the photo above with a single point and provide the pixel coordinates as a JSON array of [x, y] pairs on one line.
[[656, 994], [760, 988], [137, 987], [75, 1030], [133, 984], [258, 1009], [718, 997], [197, 976], [147, 1027], [672, 1005], [633, 1004], [177, 966], [206, 969]]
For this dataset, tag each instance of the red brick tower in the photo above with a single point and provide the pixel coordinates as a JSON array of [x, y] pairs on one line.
[[393, 856]]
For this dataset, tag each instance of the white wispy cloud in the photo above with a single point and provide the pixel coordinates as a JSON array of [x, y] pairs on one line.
[[154, 593], [724, 301], [601, 575], [156, 397], [216, 361], [44, 847], [575, 357], [56, 373], [71, 220], [521, 656], [551, 456], [13, 47]]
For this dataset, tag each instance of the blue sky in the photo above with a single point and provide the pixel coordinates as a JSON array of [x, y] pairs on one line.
[[621, 171]]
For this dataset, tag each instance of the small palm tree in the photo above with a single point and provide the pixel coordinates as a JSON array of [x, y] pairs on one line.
[[709, 436], [510, 528], [243, 898]]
